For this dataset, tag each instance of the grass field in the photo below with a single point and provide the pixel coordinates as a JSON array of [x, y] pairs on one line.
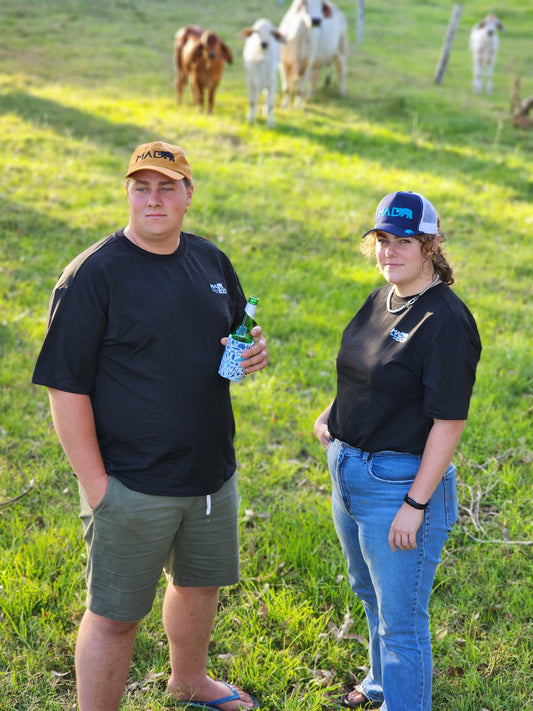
[[80, 85]]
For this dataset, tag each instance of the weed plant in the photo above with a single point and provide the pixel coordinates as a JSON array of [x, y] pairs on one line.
[[80, 85]]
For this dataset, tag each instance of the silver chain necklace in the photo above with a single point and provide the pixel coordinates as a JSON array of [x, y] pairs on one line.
[[408, 303]]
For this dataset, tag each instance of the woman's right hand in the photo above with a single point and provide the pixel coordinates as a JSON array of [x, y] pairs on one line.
[[322, 433], [325, 438], [321, 430]]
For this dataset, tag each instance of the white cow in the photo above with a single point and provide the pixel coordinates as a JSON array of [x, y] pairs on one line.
[[316, 34], [261, 59], [484, 46]]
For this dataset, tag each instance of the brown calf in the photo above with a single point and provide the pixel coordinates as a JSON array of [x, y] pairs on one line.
[[200, 55]]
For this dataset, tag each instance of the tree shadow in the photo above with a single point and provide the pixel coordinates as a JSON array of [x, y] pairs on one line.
[[397, 149], [65, 120]]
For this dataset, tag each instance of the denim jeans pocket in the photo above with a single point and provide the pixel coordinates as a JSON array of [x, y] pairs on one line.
[[332, 455], [394, 467], [451, 505]]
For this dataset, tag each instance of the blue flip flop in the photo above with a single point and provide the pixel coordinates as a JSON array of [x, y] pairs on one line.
[[234, 696]]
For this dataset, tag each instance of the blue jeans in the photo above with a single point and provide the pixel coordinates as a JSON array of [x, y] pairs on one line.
[[394, 587]]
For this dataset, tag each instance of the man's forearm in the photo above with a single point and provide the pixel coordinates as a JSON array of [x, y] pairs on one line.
[[73, 418]]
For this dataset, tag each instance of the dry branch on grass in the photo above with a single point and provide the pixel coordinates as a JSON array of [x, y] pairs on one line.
[[520, 109], [476, 511], [30, 486]]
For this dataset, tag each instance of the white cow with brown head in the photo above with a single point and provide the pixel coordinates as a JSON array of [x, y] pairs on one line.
[[316, 37]]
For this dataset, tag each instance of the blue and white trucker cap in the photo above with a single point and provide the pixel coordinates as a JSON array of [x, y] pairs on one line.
[[406, 214]]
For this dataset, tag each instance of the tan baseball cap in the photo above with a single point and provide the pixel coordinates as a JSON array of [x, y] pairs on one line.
[[163, 157]]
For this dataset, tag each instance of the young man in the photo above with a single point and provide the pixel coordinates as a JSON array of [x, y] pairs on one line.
[[135, 333]]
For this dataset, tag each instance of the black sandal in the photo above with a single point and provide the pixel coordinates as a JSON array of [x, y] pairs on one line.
[[364, 703]]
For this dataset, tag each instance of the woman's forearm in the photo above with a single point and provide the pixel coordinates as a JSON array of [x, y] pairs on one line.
[[438, 453]]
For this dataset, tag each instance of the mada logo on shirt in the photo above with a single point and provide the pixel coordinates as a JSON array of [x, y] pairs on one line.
[[218, 288], [399, 336]]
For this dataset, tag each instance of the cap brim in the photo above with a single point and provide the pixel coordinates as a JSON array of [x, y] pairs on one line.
[[172, 174], [394, 230]]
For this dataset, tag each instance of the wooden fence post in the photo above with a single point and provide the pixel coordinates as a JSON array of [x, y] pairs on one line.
[[360, 20], [450, 34]]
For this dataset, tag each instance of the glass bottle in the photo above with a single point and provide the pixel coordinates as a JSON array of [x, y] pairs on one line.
[[238, 341], [243, 332]]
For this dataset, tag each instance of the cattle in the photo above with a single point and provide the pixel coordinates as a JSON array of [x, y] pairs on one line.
[[199, 54], [484, 46], [261, 55], [316, 34]]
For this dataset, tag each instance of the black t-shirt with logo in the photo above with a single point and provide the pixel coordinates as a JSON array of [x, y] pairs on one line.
[[397, 372], [140, 334]]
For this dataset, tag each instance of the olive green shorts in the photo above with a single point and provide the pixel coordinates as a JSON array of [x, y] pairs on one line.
[[132, 537]]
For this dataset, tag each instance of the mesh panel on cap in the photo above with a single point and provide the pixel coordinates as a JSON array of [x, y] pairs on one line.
[[428, 221]]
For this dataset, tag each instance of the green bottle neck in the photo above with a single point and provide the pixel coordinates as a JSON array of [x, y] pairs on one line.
[[243, 331]]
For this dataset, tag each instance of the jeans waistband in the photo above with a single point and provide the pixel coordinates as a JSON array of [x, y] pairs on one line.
[[365, 455]]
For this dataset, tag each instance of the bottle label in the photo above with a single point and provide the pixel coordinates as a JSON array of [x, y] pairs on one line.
[[230, 365], [250, 310]]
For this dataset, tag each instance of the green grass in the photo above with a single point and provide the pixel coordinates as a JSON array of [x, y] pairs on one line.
[[80, 85]]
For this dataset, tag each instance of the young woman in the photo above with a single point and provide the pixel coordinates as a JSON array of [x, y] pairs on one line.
[[405, 373]]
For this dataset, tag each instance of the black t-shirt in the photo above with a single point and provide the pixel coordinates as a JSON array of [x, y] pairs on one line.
[[140, 333], [396, 372]]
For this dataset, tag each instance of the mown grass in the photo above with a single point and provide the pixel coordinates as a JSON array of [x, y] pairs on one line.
[[80, 85]]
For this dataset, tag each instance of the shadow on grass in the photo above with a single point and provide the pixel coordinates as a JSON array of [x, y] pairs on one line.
[[67, 120], [391, 145], [384, 144], [26, 236]]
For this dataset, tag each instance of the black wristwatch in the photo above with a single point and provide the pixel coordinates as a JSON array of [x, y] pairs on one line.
[[415, 504]]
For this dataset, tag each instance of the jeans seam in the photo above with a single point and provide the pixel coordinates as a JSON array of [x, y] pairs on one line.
[[416, 632], [341, 483]]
